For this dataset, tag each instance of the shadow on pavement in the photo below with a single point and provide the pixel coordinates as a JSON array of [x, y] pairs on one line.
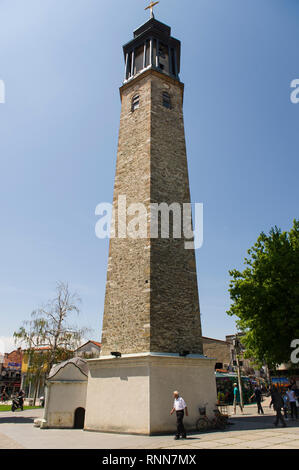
[[16, 419], [248, 423], [188, 438]]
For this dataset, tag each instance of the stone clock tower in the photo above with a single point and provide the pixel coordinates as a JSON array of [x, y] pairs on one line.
[[151, 314], [151, 294]]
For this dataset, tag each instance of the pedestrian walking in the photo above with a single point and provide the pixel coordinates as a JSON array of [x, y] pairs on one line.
[[285, 405], [292, 400], [277, 402], [237, 400], [4, 395], [21, 396], [180, 407], [257, 395]]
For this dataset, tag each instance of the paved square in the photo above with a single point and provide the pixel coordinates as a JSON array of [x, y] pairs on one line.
[[248, 431]]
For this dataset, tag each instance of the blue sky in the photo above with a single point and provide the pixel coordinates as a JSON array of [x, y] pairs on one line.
[[62, 64]]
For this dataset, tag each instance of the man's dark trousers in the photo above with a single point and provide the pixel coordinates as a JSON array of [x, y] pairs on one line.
[[293, 410], [180, 425], [259, 407]]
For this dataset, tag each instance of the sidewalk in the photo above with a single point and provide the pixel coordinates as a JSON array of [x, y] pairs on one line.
[[247, 431]]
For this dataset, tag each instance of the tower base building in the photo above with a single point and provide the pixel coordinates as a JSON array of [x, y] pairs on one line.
[[133, 394]]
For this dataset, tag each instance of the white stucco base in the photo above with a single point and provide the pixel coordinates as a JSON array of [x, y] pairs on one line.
[[134, 394], [64, 399], [65, 393]]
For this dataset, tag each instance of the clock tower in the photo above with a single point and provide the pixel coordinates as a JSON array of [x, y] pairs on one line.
[[151, 302], [151, 314]]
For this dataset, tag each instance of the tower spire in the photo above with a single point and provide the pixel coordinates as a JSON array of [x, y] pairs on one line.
[[151, 8]]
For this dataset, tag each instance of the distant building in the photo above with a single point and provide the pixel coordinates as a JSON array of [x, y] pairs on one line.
[[91, 349], [34, 383], [248, 365], [34, 375], [10, 372], [218, 349], [224, 353]]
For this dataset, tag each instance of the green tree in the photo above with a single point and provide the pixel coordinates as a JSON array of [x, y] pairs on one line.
[[265, 296]]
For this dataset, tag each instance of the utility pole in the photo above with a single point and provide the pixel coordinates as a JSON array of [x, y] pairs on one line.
[[237, 350]]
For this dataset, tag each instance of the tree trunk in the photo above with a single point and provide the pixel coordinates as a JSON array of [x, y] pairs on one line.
[[36, 390]]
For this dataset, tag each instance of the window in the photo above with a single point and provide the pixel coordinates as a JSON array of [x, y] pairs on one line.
[[148, 59], [138, 62], [135, 103], [129, 66], [166, 100], [163, 63]]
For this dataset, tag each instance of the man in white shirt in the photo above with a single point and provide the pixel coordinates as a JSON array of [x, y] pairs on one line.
[[179, 406], [292, 400]]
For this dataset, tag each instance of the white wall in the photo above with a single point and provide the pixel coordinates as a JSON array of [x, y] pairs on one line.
[[66, 392], [122, 397], [135, 394], [63, 400], [194, 379]]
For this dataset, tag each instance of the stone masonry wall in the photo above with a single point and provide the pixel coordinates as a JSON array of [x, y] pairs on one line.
[[127, 302], [151, 299], [175, 315]]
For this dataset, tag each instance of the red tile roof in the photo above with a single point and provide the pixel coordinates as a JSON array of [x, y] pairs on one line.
[[90, 341], [97, 344]]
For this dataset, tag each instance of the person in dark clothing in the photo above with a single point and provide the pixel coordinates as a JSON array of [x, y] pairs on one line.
[[4, 395], [21, 396], [257, 395], [277, 402]]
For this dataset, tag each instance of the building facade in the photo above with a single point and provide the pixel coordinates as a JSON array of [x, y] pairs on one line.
[[220, 350], [10, 378], [35, 366], [88, 350]]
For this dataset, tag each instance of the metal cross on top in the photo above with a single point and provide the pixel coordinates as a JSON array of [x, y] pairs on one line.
[[151, 8]]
